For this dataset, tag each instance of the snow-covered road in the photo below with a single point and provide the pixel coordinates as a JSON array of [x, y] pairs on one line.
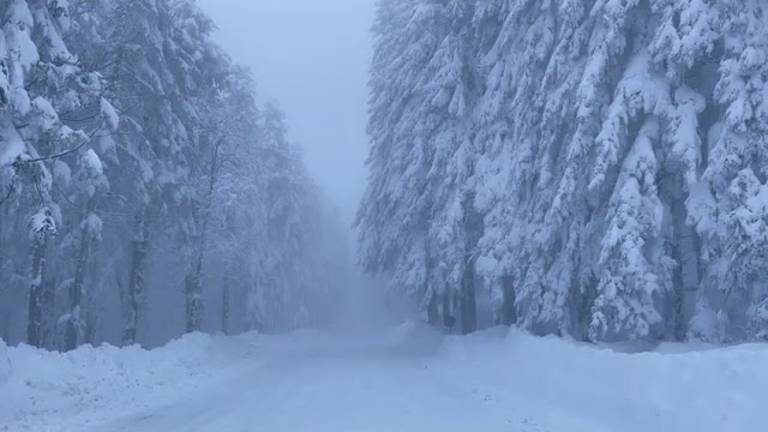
[[406, 379], [319, 383]]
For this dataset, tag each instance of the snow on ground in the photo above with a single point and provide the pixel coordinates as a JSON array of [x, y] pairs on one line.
[[405, 379]]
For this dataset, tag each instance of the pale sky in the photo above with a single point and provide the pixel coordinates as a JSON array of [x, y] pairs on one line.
[[312, 56]]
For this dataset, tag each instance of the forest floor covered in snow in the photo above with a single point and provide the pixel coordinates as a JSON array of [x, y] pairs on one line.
[[407, 378]]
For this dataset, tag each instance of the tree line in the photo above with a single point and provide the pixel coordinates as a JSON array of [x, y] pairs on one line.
[[588, 168], [144, 190]]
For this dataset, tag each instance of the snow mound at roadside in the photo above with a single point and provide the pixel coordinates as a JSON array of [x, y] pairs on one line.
[[487, 381], [680, 388], [100, 379]]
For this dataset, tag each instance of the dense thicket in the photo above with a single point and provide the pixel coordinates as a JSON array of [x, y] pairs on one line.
[[143, 190], [595, 168]]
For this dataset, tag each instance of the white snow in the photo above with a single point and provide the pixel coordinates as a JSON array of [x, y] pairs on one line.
[[11, 144], [109, 113], [41, 221], [92, 162], [406, 379], [93, 225], [46, 113], [18, 35], [61, 172]]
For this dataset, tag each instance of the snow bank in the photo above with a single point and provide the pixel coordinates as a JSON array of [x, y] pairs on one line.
[[104, 381], [410, 378], [711, 389]]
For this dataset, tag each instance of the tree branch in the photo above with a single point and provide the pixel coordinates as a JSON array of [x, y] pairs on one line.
[[57, 155], [67, 152]]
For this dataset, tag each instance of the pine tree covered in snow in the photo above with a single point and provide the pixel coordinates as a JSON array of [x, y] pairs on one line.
[[414, 215], [605, 171]]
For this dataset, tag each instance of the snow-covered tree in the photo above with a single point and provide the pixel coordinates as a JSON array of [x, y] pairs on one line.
[[611, 151], [143, 185], [412, 219], [41, 84]]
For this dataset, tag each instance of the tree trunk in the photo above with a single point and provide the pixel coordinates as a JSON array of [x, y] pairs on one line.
[[433, 314], [225, 306], [35, 309], [90, 328], [193, 287], [473, 231], [686, 251], [136, 278], [468, 300], [75, 324], [194, 304], [449, 320], [508, 310], [6, 334], [37, 289]]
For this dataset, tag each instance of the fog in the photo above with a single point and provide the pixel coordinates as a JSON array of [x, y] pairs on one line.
[[561, 230], [312, 58], [175, 183]]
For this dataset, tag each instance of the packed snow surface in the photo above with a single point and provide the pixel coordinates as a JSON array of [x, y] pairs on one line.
[[405, 379]]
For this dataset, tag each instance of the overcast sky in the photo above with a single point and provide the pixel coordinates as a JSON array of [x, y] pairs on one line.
[[311, 56]]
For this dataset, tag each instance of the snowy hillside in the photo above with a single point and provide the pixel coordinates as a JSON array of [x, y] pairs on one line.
[[406, 379]]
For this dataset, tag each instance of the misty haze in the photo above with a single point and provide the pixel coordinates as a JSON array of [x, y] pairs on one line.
[[383, 215]]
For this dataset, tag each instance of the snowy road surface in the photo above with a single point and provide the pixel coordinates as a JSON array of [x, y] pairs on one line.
[[407, 379]]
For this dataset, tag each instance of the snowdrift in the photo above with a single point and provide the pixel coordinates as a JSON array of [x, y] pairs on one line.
[[676, 388], [49, 391], [491, 379]]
